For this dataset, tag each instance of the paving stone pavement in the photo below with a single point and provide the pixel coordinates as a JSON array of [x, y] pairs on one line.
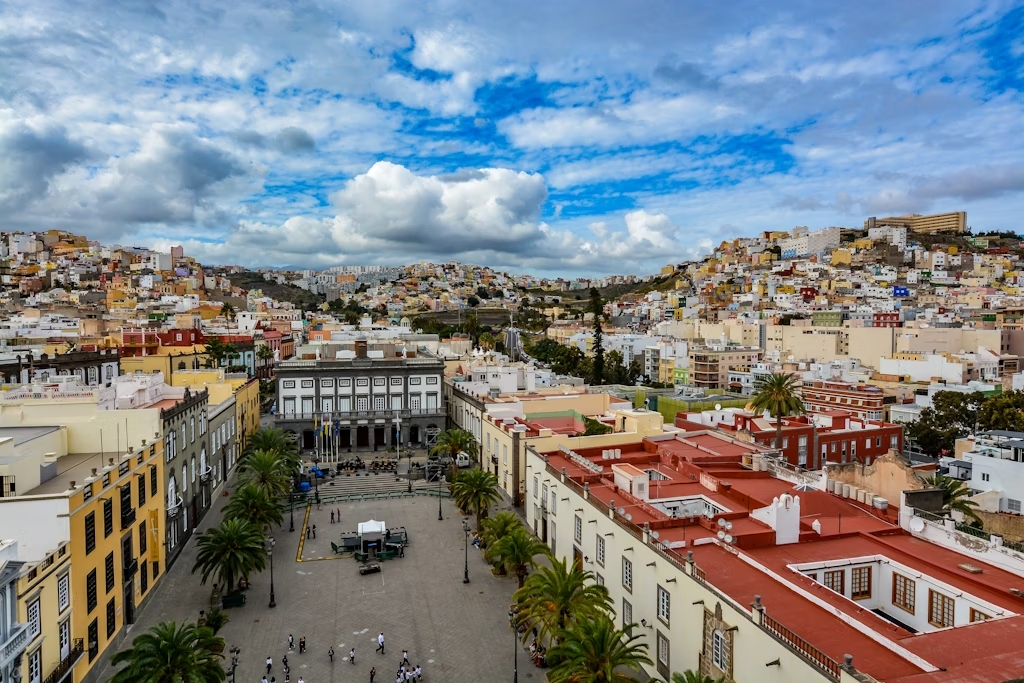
[[457, 632]]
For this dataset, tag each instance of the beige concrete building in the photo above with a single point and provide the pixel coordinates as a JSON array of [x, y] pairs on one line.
[[955, 221], [710, 365]]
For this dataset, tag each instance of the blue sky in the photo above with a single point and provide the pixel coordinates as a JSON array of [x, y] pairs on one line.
[[564, 138]]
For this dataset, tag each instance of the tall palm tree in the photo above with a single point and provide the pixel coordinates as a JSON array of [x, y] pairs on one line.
[[228, 311], [556, 596], [594, 651], [955, 496], [476, 490], [779, 394], [495, 529], [231, 550], [254, 505], [517, 552], [451, 442], [272, 439], [169, 653], [265, 354], [266, 471], [691, 676]]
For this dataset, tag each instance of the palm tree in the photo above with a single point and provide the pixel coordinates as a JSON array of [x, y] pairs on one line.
[[169, 653], [265, 354], [486, 341], [955, 496], [557, 596], [452, 442], [266, 471], [476, 491], [517, 551], [272, 439], [228, 311], [691, 676], [495, 529], [594, 651], [254, 505], [231, 550], [779, 394]]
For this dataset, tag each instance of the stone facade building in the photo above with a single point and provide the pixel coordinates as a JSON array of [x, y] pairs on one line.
[[187, 467]]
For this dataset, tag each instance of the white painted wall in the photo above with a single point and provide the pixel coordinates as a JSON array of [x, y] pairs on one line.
[[39, 524]]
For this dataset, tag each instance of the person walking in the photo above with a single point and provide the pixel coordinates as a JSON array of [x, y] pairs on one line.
[[307, 532], [284, 661], [352, 656], [264, 679], [405, 658], [380, 643], [330, 654], [314, 531], [300, 680], [302, 644], [373, 673], [270, 663], [291, 642], [419, 673], [332, 516]]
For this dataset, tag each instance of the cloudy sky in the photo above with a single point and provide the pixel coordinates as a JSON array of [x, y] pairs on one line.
[[552, 136]]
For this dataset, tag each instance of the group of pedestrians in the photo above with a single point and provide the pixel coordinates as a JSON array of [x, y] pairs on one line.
[[407, 673]]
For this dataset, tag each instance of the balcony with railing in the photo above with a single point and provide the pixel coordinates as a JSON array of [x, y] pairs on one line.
[[392, 413], [21, 635], [67, 664], [131, 566]]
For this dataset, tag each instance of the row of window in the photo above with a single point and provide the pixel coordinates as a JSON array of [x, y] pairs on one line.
[[126, 507], [359, 382]]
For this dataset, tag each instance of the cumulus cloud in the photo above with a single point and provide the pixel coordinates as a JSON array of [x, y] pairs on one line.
[[390, 214], [30, 157]]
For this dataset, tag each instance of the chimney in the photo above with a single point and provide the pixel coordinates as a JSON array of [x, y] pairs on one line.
[[360, 348]]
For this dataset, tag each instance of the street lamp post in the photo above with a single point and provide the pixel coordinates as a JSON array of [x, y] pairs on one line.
[[515, 649], [440, 478], [291, 511], [270, 554], [316, 479], [465, 528]]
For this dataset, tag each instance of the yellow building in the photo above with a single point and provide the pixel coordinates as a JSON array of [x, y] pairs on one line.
[[955, 221], [93, 539], [44, 602]]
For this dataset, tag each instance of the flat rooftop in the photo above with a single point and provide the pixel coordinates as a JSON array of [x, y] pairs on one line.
[[74, 467], [23, 435]]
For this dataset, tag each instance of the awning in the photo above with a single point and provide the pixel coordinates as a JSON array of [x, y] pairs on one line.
[[371, 527]]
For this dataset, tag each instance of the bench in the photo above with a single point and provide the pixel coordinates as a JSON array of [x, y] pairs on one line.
[[336, 549], [387, 555], [362, 557]]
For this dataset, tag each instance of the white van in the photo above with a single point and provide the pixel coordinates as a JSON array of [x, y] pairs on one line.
[[462, 459]]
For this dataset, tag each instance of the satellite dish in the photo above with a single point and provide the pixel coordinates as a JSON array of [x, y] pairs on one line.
[[728, 538], [721, 521], [621, 511], [718, 406], [721, 535], [629, 518], [917, 525], [655, 534], [728, 526]]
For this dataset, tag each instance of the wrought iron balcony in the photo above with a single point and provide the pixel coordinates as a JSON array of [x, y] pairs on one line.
[[67, 665]]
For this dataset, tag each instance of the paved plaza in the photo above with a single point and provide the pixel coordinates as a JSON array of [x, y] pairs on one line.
[[456, 632]]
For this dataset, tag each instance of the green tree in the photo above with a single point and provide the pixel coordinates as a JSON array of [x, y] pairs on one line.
[[271, 439], [557, 596], [518, 551], [227, 311], [594, 651], [451, 442], [476, 490], [1004, 411], [254, 505], [169, 653], [951, 416], [472, 328], [495, 529], [956, 496], [230, 550], [615, 370], [594, 427], [635, 371], [217, 352], [486, 341], [265, 354], [545, 350], [265, 471], [597, 309], [779, 394], [482, 293], [567, 361], [473, 301]]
